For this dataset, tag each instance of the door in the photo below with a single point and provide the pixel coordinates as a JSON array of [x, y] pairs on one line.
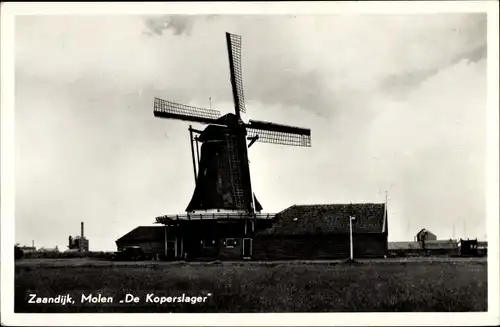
[[247, 248]]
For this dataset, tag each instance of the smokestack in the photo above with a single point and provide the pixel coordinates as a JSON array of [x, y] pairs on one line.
[[33, 243], [81, 237]]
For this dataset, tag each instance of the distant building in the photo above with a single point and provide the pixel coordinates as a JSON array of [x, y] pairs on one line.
[[425, 235], [468, 247], [403, 246], [482, 247], [482, 244], [27, 249], [42, 249], [433, 247], [78, 243]]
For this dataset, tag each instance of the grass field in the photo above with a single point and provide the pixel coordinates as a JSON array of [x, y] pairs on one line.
[[391, 285]]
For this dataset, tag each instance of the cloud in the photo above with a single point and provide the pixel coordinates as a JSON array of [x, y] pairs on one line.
[[178, 24], [413, 79]]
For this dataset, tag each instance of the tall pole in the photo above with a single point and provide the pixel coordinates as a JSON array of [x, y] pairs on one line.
[[175, 245], [166, 242], [351, 252], [192, 153], [81, 236], [251, 190]]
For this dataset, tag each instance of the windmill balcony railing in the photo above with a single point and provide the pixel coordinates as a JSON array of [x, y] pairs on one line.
[[213, 216]]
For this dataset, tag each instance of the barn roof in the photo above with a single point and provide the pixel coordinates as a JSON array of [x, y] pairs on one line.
[[143, 233], [329, 218]]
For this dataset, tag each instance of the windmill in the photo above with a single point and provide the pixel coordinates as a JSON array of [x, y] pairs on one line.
[[223, 181]]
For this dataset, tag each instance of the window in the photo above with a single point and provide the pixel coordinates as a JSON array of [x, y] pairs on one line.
[[231, 242]]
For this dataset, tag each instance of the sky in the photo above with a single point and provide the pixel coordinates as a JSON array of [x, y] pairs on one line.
[[395, 103]]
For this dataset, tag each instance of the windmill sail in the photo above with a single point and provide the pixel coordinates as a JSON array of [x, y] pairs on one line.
[[279, 134], [173, 110], [234, 52]]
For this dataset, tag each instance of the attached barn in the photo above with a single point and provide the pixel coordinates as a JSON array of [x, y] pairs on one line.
[[322, 232], [305, 232]]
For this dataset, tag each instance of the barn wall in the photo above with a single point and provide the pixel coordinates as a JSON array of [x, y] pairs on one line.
[[265, 247], [282, 248], [150, 247], [217, 252], [370, 245], [318, 247], [234, 253], [153, 247]]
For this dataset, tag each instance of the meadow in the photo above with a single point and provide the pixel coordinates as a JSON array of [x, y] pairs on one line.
[[371, 286]]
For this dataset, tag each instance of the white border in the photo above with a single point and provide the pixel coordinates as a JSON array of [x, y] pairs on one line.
[[8, 12]]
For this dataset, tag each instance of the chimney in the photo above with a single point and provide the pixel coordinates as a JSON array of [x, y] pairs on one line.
[[33, 243], [81, 237]]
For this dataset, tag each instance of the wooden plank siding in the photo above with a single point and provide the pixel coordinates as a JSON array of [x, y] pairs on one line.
[[308, 247]]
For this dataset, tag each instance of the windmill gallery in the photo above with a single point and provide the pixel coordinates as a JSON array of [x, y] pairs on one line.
[[224, 219]]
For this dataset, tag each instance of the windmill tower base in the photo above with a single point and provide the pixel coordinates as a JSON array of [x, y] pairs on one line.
[[211, 237]]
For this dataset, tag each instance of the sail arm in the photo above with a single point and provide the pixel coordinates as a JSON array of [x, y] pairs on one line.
[[234, 53], [173, 110], [268, 132]]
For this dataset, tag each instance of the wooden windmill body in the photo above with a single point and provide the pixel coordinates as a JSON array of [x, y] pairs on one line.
[[223, 213]]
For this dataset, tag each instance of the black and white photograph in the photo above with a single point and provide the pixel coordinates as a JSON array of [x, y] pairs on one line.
[[268, 158]]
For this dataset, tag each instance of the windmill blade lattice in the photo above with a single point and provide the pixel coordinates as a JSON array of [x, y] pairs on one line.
[[274, 137], [173, 110], [279, 134], [234, 52]]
